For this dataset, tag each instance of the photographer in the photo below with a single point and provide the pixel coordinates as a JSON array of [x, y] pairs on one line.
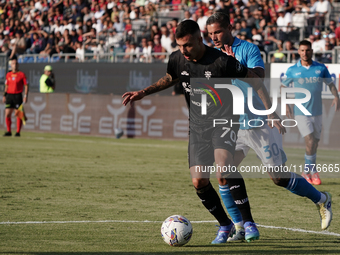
[[47, 81]]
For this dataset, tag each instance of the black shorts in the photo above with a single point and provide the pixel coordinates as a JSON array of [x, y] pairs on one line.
[[13, 100], [203, 143]]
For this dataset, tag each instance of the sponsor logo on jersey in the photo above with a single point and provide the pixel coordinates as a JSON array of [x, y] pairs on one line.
[[301, 80], [207, 74], [185, 73], [318, 71], [298, 74], [199, 103], [239, 67], [228, 142]]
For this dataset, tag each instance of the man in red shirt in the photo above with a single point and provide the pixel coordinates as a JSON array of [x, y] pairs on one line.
[[14, 86], [337, 34]]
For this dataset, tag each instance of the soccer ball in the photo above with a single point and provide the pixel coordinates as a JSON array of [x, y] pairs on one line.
[[176, 230], [119, 132]]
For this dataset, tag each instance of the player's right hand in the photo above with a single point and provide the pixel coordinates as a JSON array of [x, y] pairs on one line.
[[4, 99], [275, 121], [132, 96], [228, 50]]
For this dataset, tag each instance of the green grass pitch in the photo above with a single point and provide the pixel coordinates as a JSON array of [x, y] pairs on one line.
[[93, 195]]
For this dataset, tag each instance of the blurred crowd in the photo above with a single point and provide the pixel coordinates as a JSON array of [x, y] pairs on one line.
[[136, 27]]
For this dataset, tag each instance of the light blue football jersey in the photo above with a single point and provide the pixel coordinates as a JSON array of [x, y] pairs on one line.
[[312, 79], [248, 55]]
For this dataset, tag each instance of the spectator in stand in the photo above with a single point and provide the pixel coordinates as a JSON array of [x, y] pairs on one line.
[[119, 26], [327, 56], [134, 14], [245, 29], [79, 23], [88, 26], [67, 10], [337, 33], [299, 17], [237, 29], [192, 7], [114, 39], [110, 5], [238, 15], [332, 27], [75, 17], [64, 48], [201, 20], [19, 46], [174, 45], [252, 5], [201, 6], [288, 46], [322, 12], [50, 46], [128, 25], [157, 47], [279, 56], [146, 51], [80, 34], [332, 40], [165, 39], [99, 12], [194, 17], [283, 22], [87, 14], [36, 45], [58, 15], [187, 15], [73, 37], [248, 18], [80, 4], [6, 50], [155, 31], [318, 45]]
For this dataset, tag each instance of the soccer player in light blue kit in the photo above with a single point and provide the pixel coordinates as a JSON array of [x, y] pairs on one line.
[[265, 141], [310, 75]]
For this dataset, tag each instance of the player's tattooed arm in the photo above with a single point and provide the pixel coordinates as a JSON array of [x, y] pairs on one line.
[[163, 83], [336, 100]]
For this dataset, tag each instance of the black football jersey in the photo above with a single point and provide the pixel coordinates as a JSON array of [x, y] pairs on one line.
[[214, 64]]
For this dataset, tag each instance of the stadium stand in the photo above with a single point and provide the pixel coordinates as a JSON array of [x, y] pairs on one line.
[[113, 30]]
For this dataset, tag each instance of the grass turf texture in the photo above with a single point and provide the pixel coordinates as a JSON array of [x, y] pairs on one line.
[[47, 177]]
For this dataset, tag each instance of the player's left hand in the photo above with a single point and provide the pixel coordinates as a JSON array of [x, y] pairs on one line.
[[132, 96], [275, 121], [228, 50], [336, 103], [24, 99]]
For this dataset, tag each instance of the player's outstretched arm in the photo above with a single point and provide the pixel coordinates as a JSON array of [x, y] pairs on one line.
[[257, 72], [259, 87], [163, 83], [334, 91]]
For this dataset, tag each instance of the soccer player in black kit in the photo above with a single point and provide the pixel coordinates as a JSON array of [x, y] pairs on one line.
[[194, 60]]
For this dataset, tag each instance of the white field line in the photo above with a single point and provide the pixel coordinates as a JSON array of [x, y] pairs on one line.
[[110, 141], [147, 221]]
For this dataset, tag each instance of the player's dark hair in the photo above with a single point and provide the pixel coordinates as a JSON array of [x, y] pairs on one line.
[[306, 43], [14, 58], [220, 18], [187, 27]]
